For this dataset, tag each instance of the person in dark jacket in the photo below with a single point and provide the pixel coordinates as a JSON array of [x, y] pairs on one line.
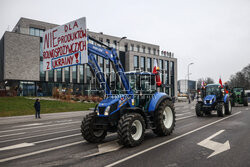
[[37, 108]]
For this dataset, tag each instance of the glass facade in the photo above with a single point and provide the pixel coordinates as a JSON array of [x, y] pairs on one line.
[[142, 63], [74, 74], [172, 78], [66, 74], [51, 75], [136, 62], [59, 75], [81, 73], [149, 64]]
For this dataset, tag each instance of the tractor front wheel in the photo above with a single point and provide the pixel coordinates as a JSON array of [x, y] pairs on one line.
[[228, 108], [164, 119], [198, 110], [221, 109], [131, 128], [90, 134]]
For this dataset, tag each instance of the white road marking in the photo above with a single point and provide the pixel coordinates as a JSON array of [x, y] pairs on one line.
[[39, 135], [34, 124], [40, 151], [16, 146], [106, 147], [21, 145], [57, 138], [13, 134], [46, 150], [246, 108], [184, 117], [12, 130], [168, 141], [215, 146]]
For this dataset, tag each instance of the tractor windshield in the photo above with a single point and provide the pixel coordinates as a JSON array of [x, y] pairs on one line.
[[142, 82], [237, 90], [213, 90]]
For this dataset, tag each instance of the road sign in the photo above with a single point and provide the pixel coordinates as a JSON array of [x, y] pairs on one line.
[[65, 45], [215, 146]]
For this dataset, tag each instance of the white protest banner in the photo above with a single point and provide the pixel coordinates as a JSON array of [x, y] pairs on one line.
[[65, 45]]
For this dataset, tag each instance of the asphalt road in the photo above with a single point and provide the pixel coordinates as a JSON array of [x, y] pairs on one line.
[[55, 140]]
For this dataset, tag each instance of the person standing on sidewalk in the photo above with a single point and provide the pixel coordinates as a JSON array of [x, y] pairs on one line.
[[37, 108]]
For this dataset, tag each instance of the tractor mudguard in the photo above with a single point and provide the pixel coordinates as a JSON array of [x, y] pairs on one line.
[[225, 98], [156, 100]]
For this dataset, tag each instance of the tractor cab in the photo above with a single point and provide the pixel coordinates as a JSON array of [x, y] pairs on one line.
[[239, 96], [214, 98], [144, 87]]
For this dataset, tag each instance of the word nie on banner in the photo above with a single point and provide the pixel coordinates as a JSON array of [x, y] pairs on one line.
[[65, 45]]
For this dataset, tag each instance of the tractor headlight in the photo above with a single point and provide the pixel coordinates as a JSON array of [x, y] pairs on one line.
[[106, 112], [211, 101]]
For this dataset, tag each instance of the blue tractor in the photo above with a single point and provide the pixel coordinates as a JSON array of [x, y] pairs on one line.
[[213, 97], [133, 106]]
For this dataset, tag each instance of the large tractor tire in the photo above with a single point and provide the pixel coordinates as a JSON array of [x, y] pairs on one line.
[[228, 107], [198, 110], [245, 101], [221, 109], [90, 134], [131, 129], [164, 119]]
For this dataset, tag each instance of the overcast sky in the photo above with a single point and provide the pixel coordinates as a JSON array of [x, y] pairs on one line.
[[213, 34]]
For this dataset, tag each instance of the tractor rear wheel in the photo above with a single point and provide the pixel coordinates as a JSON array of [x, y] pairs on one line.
[[221, 109], [198, 110], [228, 108], [245, 101], [90, 134], [164, 119], [131, 128]]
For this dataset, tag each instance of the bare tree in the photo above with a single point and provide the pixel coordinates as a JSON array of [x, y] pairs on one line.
[[207, 80], [241, 79]]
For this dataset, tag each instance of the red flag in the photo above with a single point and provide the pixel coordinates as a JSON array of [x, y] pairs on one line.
[[220, 82]]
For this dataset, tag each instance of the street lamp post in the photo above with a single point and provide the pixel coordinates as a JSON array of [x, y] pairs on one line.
[[118, 46], [188, 82]]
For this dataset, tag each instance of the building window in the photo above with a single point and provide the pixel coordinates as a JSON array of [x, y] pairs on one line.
[[136, 62], [107, 66], [138, 48], [74, 74], [126, 47], [149, 50], [88, 75], [59, 75], [154, 51], [166, 72], [101, 39], [161, 70], [32, 31], [101, 61], [42, 73], [132, 47], [172, 78], [115, 43], [149, 64], [108, 42], [51, 75], [81, 73], [142, 63], [66, 74], [143, 49], [36, 32]]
